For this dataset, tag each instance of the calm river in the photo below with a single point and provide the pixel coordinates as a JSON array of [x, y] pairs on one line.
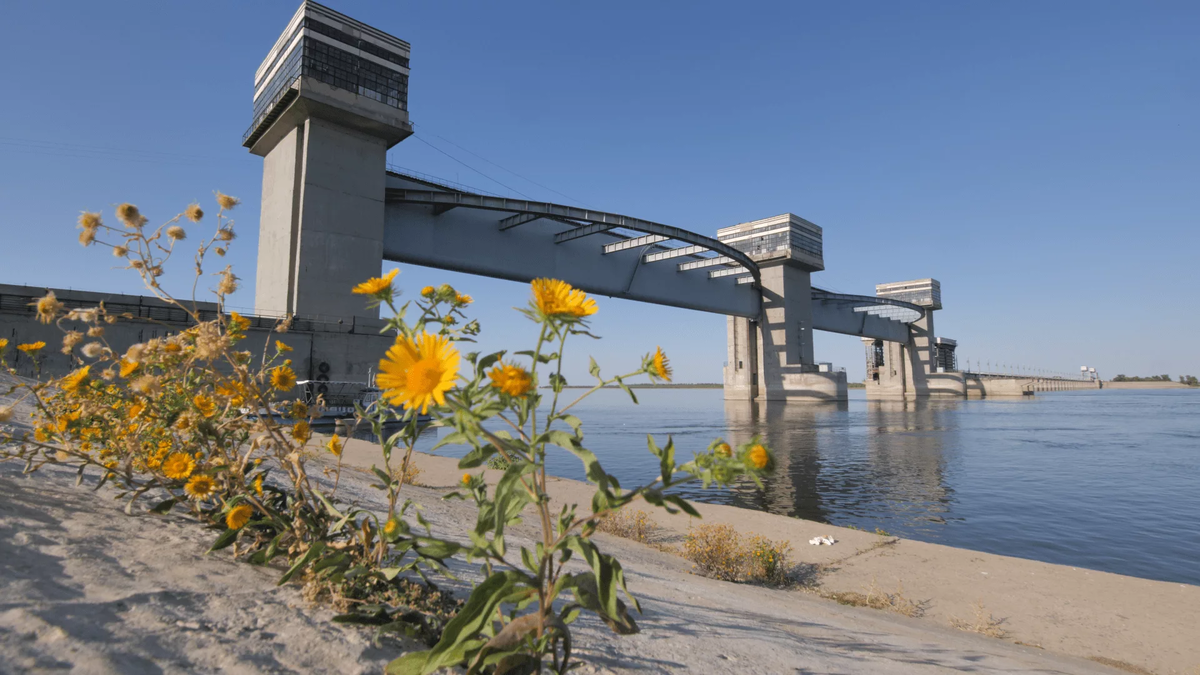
[[1108, 480]]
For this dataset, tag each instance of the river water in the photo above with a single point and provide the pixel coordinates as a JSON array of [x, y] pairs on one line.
[[1106, 480]]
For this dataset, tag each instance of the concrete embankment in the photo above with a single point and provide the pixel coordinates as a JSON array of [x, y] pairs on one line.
[[1068, 610], [1146, 385]]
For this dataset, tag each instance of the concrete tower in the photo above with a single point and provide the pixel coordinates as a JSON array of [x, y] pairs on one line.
[[910, 370], [772, 358], [329, 100]]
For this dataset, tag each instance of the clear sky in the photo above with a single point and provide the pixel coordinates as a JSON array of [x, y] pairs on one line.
[[1042, 160]]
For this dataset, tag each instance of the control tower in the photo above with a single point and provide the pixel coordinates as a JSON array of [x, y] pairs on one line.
[[330, 98], [774, 361]]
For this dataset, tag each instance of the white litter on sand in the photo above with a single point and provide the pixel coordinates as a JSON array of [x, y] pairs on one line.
[[818, 541]]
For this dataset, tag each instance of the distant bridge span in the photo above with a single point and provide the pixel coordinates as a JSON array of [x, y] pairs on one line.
[[436, 225]]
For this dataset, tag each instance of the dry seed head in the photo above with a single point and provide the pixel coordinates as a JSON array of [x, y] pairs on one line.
[[194, 213], [89, 220], [226, 234], [220, 251], [120, 251], [6, 413], [176, 233], [108, 374], [96, 331], [92, 349], [48, 307], [226, 201], [128, 213], [87, 236], [70, 339], [228, 283]]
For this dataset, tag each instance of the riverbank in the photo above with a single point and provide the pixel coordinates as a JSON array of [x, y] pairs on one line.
[[88, 589], [1066, 610]]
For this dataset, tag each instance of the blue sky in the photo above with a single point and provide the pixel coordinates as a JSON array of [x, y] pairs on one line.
[[1042, 160]]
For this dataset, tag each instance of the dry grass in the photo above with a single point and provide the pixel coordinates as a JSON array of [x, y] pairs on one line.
[[636, 525], [877, 598], [412, 474], [983, 623], [720, 552], [1122, 665]]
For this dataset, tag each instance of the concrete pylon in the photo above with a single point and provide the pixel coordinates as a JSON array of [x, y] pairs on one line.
[[330, 99], [909, 370], [772, 359]]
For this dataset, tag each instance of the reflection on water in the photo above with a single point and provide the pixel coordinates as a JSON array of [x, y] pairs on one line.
[[1101, 479]]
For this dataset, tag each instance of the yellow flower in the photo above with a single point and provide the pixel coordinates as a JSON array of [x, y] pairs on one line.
[[178, 465], [723, 450], [511, 379], [283, 378], [464, 299], [237, 322], [299, 409], [428, 291], [758, 456], [301, 432], [172, 348], [391, 527], [238, 516], [3, 343], [128, 367], [205, 404], [466, 479], [31, 347], [380, 287], [281, 348], [200, 487], [558, 298], [48, 307], [335, 445], [661, 368], [418, 372], [258, 485], [226, 201], [42, 434], [135, 409], [72, 382]]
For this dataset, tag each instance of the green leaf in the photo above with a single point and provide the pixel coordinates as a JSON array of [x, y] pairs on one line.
[[165, 505], [683, 504], [227, 537], [488, 361], [594, 368], [437, 549], [667, 460], [462, 632], [557, 382], [308, 556], [625, 387], [456, 438]]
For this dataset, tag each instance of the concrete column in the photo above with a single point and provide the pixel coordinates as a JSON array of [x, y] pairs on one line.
[[741, 369], [321, 230]]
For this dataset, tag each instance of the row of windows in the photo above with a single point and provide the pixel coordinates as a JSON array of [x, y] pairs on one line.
[[766, 228], [282, 79], [344, 70], [777, 241], [346, 38]]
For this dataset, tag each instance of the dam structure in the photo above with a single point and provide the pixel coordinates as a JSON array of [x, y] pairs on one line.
[[331, 98]]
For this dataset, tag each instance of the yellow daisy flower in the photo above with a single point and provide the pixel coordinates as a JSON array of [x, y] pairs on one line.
[[3, 343], [205, 404], [558, 298], [200, 487], [32, 347], [335, 445], [466, 479], [418, 372], [281, 348], [391, 527], [178, 465], [237, 322], [428, 291], [128, 367], [464, 299], [758, 456], [301, 432], [661, 368], [380, 287], [72, 382], [511, 379], [238, 516], [258, 481], [723, 450], [283, 378]]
